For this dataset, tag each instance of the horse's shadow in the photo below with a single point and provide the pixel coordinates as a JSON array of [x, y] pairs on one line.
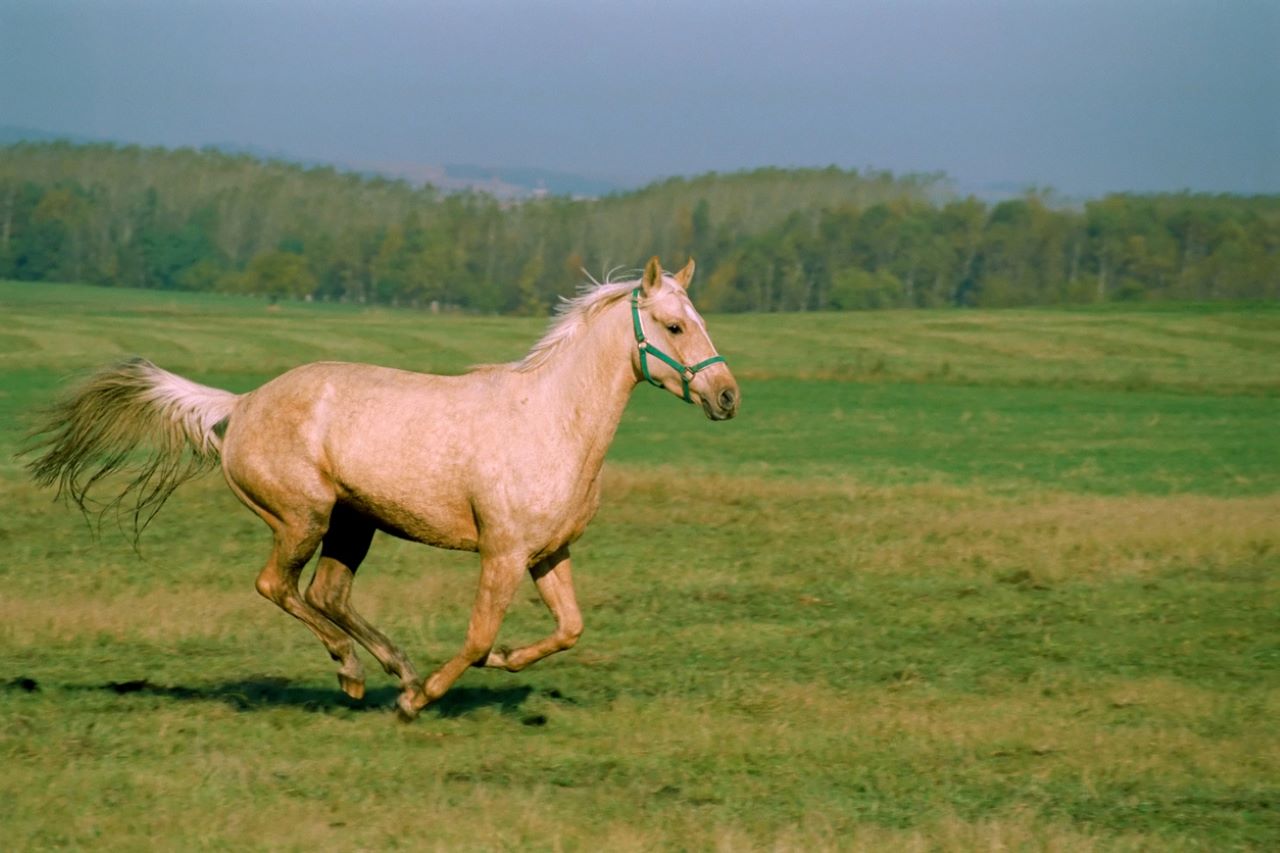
[[265, 692]]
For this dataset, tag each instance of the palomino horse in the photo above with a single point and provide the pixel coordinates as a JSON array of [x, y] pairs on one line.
[[504, 460]]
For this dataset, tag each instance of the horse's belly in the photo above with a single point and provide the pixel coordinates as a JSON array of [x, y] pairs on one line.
[[432, 523]]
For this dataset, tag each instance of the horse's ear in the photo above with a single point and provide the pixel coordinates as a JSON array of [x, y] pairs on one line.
[[652, 276], [685, 275]]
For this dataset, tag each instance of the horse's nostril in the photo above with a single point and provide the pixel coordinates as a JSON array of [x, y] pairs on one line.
[[727, 398]]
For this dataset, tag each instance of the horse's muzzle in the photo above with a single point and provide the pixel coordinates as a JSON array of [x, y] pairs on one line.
[[721, 404]]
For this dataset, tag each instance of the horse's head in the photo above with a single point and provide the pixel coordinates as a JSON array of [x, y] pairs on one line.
[[673, 349]]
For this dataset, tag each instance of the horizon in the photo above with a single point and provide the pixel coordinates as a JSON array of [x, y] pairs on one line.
[[1081, 98]]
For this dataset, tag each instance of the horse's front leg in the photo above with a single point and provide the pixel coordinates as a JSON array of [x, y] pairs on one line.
[[554, 579], [499, 577]]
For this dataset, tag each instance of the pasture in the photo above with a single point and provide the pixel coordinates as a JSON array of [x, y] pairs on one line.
[[951, 580]]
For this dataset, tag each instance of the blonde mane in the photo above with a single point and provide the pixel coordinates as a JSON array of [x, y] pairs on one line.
[[572, 315]]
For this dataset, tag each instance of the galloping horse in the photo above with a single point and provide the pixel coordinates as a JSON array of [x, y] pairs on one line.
[[504, 460]]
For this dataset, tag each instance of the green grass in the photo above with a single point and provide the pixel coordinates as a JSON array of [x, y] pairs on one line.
[[1002, 438], [956, 581]]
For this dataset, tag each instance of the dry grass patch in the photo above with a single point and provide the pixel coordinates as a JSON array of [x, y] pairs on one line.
[[950, 531], [159, 615]]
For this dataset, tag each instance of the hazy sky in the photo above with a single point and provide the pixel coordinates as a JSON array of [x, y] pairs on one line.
[[1085, 97]]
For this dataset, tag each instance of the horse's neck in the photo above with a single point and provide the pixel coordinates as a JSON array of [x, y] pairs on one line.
[[588, 382]]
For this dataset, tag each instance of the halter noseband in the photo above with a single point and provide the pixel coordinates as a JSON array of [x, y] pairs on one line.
[[686, 371]]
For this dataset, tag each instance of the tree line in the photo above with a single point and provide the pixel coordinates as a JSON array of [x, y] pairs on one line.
[[767, 240]]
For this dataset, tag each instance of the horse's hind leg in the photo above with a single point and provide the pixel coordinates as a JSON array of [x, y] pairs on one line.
[[298, 532], [278, 581], [344, 547], [554, 580]]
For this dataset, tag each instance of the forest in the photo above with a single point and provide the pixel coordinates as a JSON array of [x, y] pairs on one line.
[[765, 240]]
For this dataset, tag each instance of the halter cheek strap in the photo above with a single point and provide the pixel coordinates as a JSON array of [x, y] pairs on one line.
[[686, 371]]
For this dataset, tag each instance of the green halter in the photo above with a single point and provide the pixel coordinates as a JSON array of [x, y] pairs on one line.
[[686, 371]]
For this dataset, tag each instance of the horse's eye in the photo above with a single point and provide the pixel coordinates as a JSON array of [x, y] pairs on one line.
[[674, 328]]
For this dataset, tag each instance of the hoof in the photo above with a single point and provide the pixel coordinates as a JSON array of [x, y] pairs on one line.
[[353, 687], [407, 707]]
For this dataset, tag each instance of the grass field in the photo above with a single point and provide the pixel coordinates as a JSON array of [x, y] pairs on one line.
[[951, 581]]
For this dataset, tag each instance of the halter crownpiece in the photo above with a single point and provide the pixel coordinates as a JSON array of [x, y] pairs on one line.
[[686, 371]]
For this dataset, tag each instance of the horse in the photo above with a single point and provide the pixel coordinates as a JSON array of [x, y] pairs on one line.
[[504, 460]]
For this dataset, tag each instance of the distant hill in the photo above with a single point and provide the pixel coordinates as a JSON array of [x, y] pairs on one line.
[[13, 134], [507, 183], [539, 181]]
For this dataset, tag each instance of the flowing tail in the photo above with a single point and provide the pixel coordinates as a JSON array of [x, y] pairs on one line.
[[156, 427]]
